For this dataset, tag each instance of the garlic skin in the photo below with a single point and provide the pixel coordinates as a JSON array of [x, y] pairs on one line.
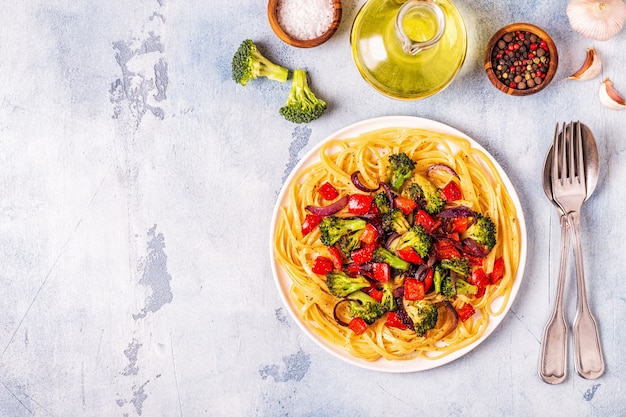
[[609, 97], [597, 19], [590, 69]]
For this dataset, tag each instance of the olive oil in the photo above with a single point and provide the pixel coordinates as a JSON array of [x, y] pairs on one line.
[[437, 45]]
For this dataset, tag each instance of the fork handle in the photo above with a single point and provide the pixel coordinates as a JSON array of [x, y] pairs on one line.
[[553, 356], [589, 360]]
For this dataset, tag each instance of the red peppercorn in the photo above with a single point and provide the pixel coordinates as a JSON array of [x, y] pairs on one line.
[[533, 46], [543, 45], [512, 85], [538, 73], [510, 47], [515, 46], [531, 55]]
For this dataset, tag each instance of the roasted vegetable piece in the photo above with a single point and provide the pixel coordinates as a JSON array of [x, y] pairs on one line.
[[424, 192], [416, 238], [302, 105], [332, 228], [385, 255], [248, 63], [482, 231], [364, 306], [399, 168], [395, 221], [341, 284], [458, 265], [424, 315]]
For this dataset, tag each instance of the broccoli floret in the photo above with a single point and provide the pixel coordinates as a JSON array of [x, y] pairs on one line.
[[249, 63], [423, 314], [399, 168], [423, 191], [302, 105], [418, 239], [364, 306], [388, 301], [439, 275], [341, 284], [332, 228], [382, 202], [349, 242], [395, 221], [460, 287], [385, 255], [465, 288], [482, 231], [458, 265]]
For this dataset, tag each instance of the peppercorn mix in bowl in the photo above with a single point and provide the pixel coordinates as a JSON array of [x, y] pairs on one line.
[[521, 59], [304, 24]]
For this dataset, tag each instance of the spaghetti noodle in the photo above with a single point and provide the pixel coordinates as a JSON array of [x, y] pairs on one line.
[[482, 190]]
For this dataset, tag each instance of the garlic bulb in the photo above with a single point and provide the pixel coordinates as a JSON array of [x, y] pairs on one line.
[[597, 19], [609, 97], [590, 69]]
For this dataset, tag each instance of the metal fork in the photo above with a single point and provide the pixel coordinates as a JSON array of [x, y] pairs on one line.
[[569, 189]]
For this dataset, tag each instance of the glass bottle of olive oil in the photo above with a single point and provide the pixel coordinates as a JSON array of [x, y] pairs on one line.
[[411, 49]]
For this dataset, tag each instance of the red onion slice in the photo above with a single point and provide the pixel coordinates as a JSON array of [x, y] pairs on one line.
[[454, 212], [331, 208], [358, 184], [453, 315], [442, 167]]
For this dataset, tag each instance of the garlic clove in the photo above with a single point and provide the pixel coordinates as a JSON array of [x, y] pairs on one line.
[[597, 19], [609, 97], [590, 69]]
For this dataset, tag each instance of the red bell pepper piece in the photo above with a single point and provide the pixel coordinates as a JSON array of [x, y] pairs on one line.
[[445, 249], [375, 293], [357, 325], [428, 280], [408, 254], [359, 203], [363, 255], [335, 257], [451, 192], [328, 191], [322, 265], [413, 289], [465, 312], [479, 278], [382, 272], [405, 204], [426, 220], [369, 234], [498, 270], [310, 222], [394, 321], [460, 224]]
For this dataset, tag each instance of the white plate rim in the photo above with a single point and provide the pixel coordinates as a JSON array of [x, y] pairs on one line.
[[283, 281]]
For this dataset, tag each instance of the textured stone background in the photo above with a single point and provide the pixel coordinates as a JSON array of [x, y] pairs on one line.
[[137, 183]]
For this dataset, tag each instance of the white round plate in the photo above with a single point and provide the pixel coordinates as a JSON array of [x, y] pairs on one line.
[[283, 281]]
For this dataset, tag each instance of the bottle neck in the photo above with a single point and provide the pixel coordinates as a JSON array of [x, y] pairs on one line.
[[419, 25]]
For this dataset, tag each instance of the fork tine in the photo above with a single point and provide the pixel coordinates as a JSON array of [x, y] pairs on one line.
[[581, 156], [555, 155]]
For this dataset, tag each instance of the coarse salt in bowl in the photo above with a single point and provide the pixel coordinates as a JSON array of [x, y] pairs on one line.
[[304, 23]]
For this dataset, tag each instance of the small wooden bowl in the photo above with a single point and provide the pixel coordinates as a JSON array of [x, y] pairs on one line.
[[490, 64], [302, 43]]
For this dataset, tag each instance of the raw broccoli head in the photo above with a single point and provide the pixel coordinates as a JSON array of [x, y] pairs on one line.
[[482, 231], [364, 306], [386, 256], [341, 284], [423, 314], [399, 168], [332, 228], [395, 221], [248, 63], [418, 239], [302, 105], [425, 193], [458, 265]]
